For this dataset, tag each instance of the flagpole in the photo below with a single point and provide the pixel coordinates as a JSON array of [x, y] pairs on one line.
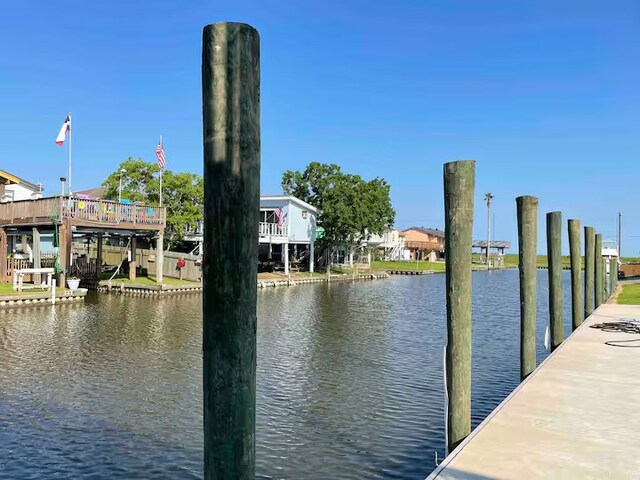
[[161, 170], [70, 129]]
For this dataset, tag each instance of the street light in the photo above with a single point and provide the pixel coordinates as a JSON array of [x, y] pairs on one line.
[[122, 170]]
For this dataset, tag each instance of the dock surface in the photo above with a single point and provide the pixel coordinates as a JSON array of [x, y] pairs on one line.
[[577, 416]]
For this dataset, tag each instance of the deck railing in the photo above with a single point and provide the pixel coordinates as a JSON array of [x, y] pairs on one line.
[[436, 246], [25, 209], [272, 230], [99, 211], [105, 211]]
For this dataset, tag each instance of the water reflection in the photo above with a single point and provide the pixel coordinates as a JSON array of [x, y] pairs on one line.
[[349, 380]]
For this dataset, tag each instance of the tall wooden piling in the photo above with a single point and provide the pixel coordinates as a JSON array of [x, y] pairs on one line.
[[598, 284], [605, 279], [554, 255], [612, 275], [133, 265], [459, 184], [231, 123], [527, 212], [37, 254], [577, 307], [3, 254], [589, 269]]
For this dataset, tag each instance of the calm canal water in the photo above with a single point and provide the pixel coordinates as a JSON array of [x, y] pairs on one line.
[[349, 380]]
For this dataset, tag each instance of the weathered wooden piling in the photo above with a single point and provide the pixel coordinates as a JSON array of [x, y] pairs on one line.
[[598, 283], [459, 184], [589, 269], [231, 123], [577, 307], [605, 279], [527, 212], [613, 263], [554, 255]]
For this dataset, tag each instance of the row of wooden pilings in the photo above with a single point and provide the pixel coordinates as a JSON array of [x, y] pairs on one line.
[[231, 141], [459, 180]]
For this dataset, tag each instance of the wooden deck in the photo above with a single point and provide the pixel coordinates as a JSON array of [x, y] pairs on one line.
[[82, 213], [575, 417]]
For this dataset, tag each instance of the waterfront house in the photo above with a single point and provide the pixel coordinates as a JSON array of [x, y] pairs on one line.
[[393, 246], [14, 188], [287, 232], [389, 246], [25, 226], [421, 241]]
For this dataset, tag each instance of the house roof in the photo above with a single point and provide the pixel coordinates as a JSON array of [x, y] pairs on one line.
[[429, 231], [289, 198], [7, 178], [97, 192]]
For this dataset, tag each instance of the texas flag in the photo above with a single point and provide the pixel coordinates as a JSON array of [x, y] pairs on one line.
[[66, 126]]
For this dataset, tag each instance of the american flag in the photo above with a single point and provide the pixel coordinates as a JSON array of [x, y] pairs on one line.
[[162, 162], [280, 217]]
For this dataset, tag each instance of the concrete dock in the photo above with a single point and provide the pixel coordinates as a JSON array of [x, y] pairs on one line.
[[577, 416]]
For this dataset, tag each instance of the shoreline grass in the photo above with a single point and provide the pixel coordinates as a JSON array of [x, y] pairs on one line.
[[630, 294]]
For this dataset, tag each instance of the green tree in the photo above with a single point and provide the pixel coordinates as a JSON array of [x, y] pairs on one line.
[[183, 197], [139, 181], [351, 209], [182, 194]]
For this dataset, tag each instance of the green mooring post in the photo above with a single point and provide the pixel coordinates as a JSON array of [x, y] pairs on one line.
[[598, 284], [231, 124], [589, 269], [577, 307], [527, 212], [554, 255], [459, 184]]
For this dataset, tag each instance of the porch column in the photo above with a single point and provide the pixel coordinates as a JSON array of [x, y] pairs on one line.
[[3, 255], [351, 257], [132, 263], [270, 256], [285, 253], [160, 257], [99, 257], [64, 251], [369, 257], [37, 263], [311, 251]]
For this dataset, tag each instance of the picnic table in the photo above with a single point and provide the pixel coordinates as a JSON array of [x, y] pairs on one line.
[[19, 273]]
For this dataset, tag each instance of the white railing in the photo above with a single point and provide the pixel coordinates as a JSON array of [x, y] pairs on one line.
[[272, 230]]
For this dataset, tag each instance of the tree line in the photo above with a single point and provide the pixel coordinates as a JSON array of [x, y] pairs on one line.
[[350, 208]]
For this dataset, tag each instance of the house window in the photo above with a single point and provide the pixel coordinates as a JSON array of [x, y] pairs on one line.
[[268, 216], [304, 213]]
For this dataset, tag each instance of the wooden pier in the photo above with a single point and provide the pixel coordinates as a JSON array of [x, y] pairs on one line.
[[575, 416]]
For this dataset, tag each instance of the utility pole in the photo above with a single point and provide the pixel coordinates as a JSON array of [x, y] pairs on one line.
[[620, 236]]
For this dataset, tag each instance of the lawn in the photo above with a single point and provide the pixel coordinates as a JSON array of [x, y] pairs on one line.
[[7, 289], [421, 265], [630, 294]]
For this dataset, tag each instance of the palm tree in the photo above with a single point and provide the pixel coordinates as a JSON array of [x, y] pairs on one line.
[[487, 198]]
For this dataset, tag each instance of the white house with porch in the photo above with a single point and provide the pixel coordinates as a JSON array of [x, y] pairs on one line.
[[287, 232]]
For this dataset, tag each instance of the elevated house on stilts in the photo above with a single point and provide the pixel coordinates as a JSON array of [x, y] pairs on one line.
[[51, 225]]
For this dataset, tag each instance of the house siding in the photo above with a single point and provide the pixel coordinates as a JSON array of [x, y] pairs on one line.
[[300, 229], [15, 192]]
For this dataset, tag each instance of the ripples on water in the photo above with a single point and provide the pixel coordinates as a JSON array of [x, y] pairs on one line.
[[349, 380]]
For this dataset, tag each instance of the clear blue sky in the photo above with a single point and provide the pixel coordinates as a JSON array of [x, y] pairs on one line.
[[544, 95]]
